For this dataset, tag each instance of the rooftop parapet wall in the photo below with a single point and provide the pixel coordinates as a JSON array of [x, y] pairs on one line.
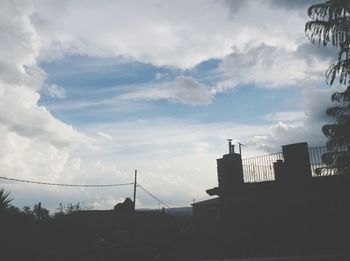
[[262, 168], [295, 167], [295, 164]]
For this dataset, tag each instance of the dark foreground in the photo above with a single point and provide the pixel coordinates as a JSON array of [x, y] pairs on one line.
[[103, 235], [94, 235]]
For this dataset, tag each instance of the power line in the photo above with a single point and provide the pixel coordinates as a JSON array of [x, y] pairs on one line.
[[93, 186], [176, 205], [153, 196], [164, 202], [66, 185]]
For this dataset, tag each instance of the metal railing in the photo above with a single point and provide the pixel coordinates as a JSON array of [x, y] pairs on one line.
[[260, 169], [316, 163]]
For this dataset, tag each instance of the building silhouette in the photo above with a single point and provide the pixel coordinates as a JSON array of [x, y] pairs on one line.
[[295, 213]]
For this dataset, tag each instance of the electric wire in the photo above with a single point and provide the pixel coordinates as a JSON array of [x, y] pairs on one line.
[[66, 185], [176, 205], [154, 197], [93, 185]]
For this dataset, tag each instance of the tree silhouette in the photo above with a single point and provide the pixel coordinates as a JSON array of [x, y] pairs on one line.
[[4, 199], [40, 212], [330, 24]]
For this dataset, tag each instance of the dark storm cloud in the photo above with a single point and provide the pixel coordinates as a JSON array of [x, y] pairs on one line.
[[299, 5], [235, 5], [293, 4], [309, 52]]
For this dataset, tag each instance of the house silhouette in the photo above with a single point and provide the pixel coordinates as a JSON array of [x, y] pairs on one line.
[[295, 214]]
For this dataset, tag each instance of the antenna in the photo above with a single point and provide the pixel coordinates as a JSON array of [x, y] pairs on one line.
[[240, 146]]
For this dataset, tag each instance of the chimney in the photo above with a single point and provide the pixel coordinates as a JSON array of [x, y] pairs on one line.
[[231, 148], [230, 172]]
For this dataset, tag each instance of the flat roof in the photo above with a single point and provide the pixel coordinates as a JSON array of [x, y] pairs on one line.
[[207, 202]]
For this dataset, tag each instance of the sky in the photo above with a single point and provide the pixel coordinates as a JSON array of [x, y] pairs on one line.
[[92, 90]]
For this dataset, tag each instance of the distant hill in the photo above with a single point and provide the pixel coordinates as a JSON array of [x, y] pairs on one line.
[[183, 211]]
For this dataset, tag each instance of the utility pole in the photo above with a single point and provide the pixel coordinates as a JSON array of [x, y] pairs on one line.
[[134, 213], [135, 185]]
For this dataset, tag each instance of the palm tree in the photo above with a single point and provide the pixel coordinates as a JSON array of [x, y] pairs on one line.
[[4, 199], [330, 24]]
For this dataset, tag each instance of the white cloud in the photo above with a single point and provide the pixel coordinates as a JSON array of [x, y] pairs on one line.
[[19, 48], [264, 143], [189, 91], [269, 66], [157, 157], [175, 159], [283, 133], [38, 146], [165, 33], [305, 127], [106, 202], [285, 116], [54, 91], [104, 136], [184, 89], [34, 144], [159, 76], [21, 114], [156, 147], [300, 5]]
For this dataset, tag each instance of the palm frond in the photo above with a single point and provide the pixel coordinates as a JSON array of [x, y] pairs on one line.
[[4, 199], [342, 96], [330, 25], [334, 111], [340, 70], [332, 9], [331, 31]]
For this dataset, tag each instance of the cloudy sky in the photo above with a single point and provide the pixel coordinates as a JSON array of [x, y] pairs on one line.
[[91, 90]]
